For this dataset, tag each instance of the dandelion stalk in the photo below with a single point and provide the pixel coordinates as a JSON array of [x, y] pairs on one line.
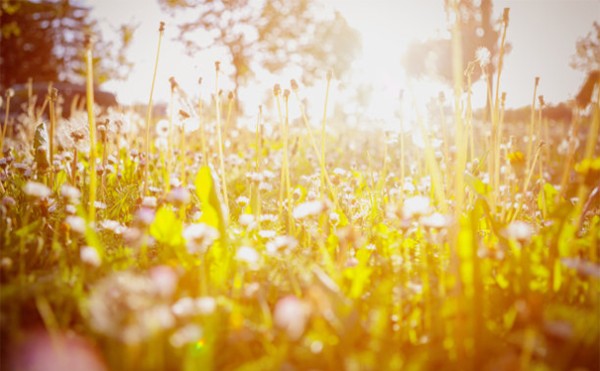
[[496, 138], [219, 133], [92, 127], [202, 129], [258, 165], [323, 127], [286, 160], [532, 123], [313, 143], [52, 96], [9, 94], [161, 30]]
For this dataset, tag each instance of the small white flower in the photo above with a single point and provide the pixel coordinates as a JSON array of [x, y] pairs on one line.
[[247, 255], [483, 56], [184, 307], [89, 255], [70, 192], [206, 305], [242, 201], [185, 335], [149, 201], [309, 208], [291, 315], [162, 128], [246, 220], [113, 226], [281, 243], [267, 233], [435, 220], [35, 189], [415, 206], [76, 223], [518, 230], [199, 237]]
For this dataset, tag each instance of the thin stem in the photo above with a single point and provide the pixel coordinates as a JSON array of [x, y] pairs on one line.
[[161, 31]]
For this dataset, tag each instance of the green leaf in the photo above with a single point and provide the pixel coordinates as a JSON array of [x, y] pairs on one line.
[[207, 190], [167, 228], [477, 185]]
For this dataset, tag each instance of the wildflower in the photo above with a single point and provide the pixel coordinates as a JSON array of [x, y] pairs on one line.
[[247, 255], [415, 206], [482, 55], [281, 243], [37, 190], [128, 307], [162, 128], [246, 220], [76, 223], [164, 279], [291, 315], [149, 202], [184, 307], [188, 334], [89, 255], [206, 305], [518, 230], [199, 237], [435, 220], [71, 193], [179, 196], [308, 209], [266, 233], [516, 158], [242, 201], [113, 226]]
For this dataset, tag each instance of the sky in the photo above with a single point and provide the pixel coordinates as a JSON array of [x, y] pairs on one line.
[[542, 33]]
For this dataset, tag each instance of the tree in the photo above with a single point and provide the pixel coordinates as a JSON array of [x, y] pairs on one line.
[[273, 34], [478, 30], [587, 51], [43, 39]]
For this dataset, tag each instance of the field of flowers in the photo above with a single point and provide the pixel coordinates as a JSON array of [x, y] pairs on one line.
[[196, 242]]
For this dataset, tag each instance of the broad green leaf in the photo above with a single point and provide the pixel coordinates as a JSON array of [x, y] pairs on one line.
[[166, 227], [207, 190]]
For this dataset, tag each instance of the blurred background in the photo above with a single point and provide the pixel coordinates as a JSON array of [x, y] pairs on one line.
[[376, 49]]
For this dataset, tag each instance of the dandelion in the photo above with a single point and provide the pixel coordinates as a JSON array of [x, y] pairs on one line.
[[76, 223], [281, 243], [199, 237], [149, 202], [128, 307], [416, 206], [482, 55], [248, 255], [185, 335], [71, 193], [519, 231], [308, 209], [206, 305], [36, 190], [90, 256], [291, 315], [162, 128]]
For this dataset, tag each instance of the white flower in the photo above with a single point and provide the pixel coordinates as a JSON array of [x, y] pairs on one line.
[[70, 192], [185, 335], [190, 125], [242, 201], [246, 220], [199, 237], [483, 56], [435, 220], [162, 128], [76, 223], [113, 226], [247, 255], [184, 307], [415, 206], [90, 256], [308, 208], [206, 305], [149, 201], [267, 233], [281, 243], [35, 189], [291, 315], [518, 230]]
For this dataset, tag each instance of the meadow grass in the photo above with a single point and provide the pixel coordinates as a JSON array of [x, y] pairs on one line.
[[287, 249]]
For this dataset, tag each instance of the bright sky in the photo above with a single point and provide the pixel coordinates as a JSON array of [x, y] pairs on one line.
[[542, 33]]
